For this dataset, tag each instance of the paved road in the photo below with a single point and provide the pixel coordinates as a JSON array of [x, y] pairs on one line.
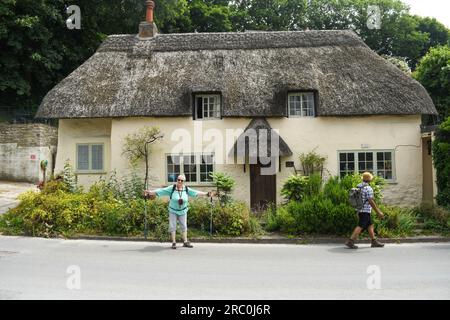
[[9, 192], [33, 268]]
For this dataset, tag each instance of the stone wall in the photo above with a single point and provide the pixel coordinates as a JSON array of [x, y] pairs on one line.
[[22, 147]]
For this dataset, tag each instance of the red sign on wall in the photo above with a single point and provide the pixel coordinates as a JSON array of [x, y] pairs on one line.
[[33, 157]]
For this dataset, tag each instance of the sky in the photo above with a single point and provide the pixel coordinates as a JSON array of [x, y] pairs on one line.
[[439, 9]]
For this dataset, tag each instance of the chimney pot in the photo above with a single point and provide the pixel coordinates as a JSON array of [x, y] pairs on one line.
[[147, 28], [149, 11]]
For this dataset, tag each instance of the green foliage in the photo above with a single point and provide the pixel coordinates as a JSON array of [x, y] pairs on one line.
[[37, 50], [313, 186], [397, 222], [336, 191], [114, 207], [316, 215], [224, 184], [312, 163], [69, 177], [441, 159], [294, 187], [137, 146], [435, 218], [319, 210], [433, 72], [230, 219]]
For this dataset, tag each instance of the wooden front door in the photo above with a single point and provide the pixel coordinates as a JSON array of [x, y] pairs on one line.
[[262, 187]]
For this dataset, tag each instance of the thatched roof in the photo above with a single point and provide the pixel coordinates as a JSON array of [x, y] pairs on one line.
[[253, 71], [259, 136]]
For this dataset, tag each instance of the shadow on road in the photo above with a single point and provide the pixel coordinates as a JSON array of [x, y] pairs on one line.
[[345, 250], [150, 249]]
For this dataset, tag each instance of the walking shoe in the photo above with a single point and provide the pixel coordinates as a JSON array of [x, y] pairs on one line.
[[174, 245], [376, 244], [187, 245], [351, 244]]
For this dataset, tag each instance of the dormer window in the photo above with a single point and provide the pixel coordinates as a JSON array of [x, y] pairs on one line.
[[207, 106], [301, 104]]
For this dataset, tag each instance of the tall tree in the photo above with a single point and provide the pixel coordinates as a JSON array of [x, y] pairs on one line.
[[433, 72]]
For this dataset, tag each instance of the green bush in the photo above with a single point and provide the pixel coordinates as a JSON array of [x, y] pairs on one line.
[[441, 159], [294, 187], [313, 186], [231, 219], [397, 222], [335, 191], [435, 218], [224, 184]]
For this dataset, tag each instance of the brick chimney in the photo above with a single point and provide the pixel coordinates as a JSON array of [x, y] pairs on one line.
[[147, 28]]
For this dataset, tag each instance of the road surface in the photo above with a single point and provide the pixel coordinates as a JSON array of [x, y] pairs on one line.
[[35, 268]]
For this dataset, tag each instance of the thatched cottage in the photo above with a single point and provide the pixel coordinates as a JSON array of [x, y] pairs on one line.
[[321, 90]]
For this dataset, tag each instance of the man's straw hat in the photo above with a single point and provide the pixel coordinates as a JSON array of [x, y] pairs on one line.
[[367, 176]]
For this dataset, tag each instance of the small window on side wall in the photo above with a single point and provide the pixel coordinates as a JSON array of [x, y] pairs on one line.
[[90, 157], [207, 106], [301, 104]]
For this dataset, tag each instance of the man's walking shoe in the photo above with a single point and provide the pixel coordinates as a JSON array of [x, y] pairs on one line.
[[174, 245], [351, 244], [187, 245], [376, 244]]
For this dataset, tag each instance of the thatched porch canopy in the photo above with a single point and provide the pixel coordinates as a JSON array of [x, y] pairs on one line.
[[259, 140], [253, 72]]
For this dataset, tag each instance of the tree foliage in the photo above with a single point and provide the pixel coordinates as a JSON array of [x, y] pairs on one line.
[[37, 50], [441, 158], [433, 73], [137, 146]]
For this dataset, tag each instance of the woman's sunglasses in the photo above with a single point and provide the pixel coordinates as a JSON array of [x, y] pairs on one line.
[[180, 180]]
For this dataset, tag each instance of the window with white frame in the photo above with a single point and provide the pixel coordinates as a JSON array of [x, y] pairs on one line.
[[378, 162], [196, 167], [301, 104], [207, 107], [90, 157]]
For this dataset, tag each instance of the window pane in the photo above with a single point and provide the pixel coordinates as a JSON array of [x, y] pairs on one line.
[[83, 157], [206, 167], [97, 157], [388, 175], [387, 156], [350, 156], [311, 104], [173, 168], [380, 156], [361, 156], [199, 105], [342, 157], [380, 165]]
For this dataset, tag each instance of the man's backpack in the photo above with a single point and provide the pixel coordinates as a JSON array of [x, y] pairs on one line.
[[175, 188], [355, 198]]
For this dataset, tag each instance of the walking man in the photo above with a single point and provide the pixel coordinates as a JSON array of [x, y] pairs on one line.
[[365, 221]]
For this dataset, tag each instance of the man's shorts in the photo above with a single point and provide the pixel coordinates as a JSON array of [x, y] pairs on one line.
[[173, 222], [364, 220]]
